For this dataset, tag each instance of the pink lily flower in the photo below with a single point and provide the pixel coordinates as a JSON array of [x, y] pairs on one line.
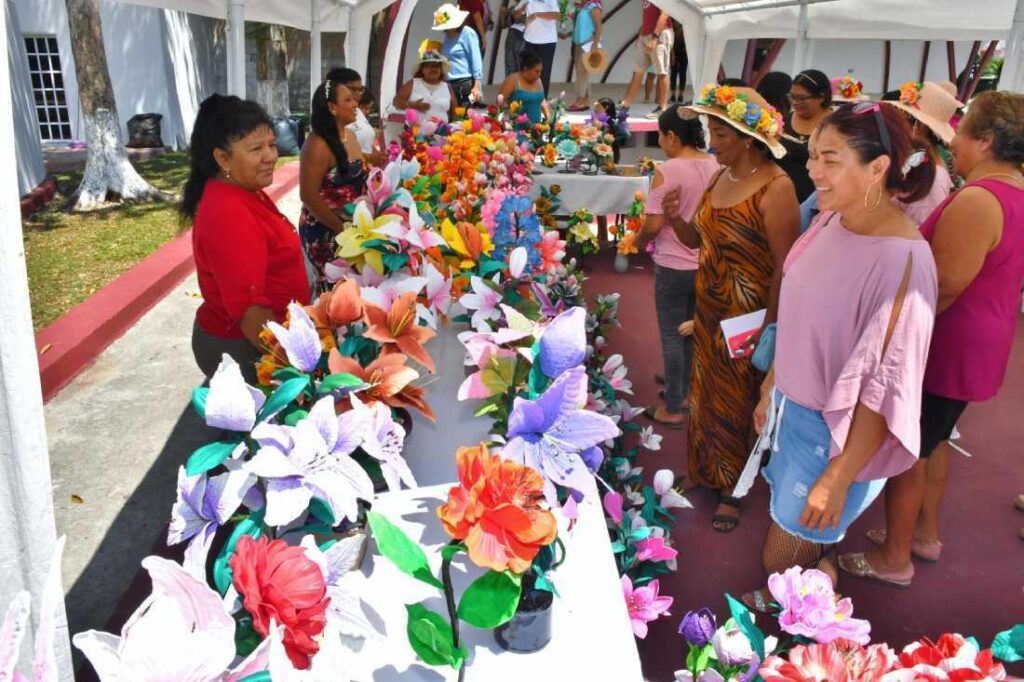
[[654, 549], [644, 604], [613, 505], [414, 232], [484, 302]]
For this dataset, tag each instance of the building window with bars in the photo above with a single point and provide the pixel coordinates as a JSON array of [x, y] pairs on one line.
[[48, 88]]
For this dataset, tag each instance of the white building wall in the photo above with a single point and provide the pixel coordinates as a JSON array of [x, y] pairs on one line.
[[28, 152]]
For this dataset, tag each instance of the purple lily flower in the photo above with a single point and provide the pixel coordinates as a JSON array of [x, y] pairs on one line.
[[204, 504], [698, 627], [231, 404], [563, 343], [300, 340], [311, 459], [547, 308], [384, 441], [550, 433]]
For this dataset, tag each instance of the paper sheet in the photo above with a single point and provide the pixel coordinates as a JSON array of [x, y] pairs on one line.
[[738, 330]]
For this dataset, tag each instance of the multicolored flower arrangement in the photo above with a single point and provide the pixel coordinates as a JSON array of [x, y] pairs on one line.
[[848, 86], [765, 120]]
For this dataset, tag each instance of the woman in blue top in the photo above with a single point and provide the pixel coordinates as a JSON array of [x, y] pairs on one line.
[[586, 30], [461, 47], [527, 88]]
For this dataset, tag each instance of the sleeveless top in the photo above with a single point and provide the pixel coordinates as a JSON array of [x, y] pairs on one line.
[[971, 346], [531, 101], [438, 96], [339, 187], [795, 160], [583, 29]]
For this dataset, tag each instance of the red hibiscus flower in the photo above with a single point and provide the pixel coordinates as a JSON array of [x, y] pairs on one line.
[[281, 583]]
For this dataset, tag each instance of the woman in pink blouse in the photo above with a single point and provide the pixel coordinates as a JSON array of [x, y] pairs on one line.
[[841, 407], [685, 175], [977, 236]]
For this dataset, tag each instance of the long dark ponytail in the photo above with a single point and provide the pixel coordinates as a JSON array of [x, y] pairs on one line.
[[321, 119], [221, 120]]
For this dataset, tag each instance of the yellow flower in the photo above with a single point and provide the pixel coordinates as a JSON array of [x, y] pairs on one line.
[[737, 110], [706, 90], [362, 229]]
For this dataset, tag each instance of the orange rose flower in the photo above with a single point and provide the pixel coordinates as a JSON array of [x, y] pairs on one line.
[[724, 94], [496, 510], [909, 92]]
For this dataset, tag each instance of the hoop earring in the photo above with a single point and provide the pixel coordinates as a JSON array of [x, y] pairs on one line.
[[877, 201]]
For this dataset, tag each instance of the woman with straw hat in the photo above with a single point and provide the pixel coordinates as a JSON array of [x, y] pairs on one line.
[[461, 47], [429, 91], [586, 38], [746, 222]]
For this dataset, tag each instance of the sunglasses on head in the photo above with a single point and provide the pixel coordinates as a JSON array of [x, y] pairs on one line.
[[883, 130]]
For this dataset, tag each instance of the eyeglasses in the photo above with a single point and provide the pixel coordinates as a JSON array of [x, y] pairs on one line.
[[798, 99], [883, 130]]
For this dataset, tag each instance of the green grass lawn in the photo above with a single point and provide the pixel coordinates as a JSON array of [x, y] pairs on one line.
[[70, 256]]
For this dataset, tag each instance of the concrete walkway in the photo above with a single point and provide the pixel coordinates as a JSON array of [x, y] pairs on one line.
[[117, 434]]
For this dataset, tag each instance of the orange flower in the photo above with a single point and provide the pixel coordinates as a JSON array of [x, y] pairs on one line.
[[909, 92], [724, 94], [389, 378], [496, 511], [398, 331], [335, 308]]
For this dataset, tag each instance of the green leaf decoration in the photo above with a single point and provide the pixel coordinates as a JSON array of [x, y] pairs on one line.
[[286, 373], [246, 638], [199, 400], [283, 396], [745, 622], [295, 416], [431, 637], [403, 552], [395, 261], [333, 382], [462, 319], [491, 599], [490, 266], [252, 526], [262, 676], [486, 408], [209, 456], [321, 510], [449, 551], [1008, 646]]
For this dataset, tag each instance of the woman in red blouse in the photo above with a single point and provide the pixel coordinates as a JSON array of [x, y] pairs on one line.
[[248, 256]]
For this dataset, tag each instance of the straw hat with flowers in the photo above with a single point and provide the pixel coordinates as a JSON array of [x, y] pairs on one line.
[[744, 110], [932, 104], [430, 53], [847, 89], [448, 17]]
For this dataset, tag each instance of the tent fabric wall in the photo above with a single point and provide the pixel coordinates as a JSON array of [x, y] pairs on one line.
[[28, 151]]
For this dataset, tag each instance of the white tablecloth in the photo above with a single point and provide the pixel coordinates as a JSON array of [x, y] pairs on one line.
[[592, 638], [600, 194]]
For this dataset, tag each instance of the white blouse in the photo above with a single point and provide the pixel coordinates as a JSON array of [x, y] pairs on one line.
[[438, 96]]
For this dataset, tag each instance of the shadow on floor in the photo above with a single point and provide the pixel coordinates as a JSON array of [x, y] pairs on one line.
[[139, 530]]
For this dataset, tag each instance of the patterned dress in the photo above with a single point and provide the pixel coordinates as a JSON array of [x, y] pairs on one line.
[[734, 277], [339, 188]]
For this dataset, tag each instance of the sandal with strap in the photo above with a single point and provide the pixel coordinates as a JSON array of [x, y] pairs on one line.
[[857, 565], [756, 601], [732, 519], [917, 548], [652, 414]]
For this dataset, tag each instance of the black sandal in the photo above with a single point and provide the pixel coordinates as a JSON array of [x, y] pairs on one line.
[[732, 519]]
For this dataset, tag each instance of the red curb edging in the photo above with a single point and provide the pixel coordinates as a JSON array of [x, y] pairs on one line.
[[38, 197], [78, 336]]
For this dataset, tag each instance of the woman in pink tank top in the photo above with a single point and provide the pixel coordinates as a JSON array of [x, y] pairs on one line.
[[977, 238]]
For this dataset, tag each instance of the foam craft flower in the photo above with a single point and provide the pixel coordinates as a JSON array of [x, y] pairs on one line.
[[389, 379], [203, 505], [414, 232], [552, 251], [336, 564], [231, 404], [517, 262], [180, 633], [340, 306], [910, 92], [563, 342], [698, 627], [496, 510], [363, 229], [732, 646], [496, 373], [438, 294], [706, 675], [649, 439], [300, 339], [724, 94], [644, 604], [312, 459], [737, 109], [467, 241], [953, 657], [568, 149], [15, 625], [329, 663], [483, 302], [615, 372], [810, 609], [398, 332], [280, 583], [654, 549], [604, 150], [550, 433], [384, 442], [669, 498], [385, 293], [838, 661]]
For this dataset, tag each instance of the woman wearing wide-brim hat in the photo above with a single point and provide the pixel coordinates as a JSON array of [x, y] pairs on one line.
[[847, 89], [930, 107], [461, 47], [746, 222], [429, 91]]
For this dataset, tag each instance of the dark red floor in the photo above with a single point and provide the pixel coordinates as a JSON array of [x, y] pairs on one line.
[[977, 587]]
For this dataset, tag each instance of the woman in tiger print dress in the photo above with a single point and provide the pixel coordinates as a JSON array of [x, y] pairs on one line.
[[747, 220]]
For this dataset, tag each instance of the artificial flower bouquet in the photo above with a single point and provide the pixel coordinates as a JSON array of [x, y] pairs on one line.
[[579, 233], [631, 226]]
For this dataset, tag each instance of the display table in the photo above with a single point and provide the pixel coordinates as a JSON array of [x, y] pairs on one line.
[[600, 194], [592, 638]]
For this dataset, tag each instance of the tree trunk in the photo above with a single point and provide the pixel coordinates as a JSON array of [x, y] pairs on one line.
[[272, 71], [108, 172]]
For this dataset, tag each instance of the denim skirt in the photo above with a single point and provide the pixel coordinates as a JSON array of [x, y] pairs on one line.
[[800, 453]]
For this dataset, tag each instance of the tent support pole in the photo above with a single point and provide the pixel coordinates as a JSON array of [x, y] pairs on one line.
[[951, 59], [315, 48], [961, 82], [924, 59], [981, 67], [748, 60], [236, 47], [1012, 76], [885, 72], [800, 53]]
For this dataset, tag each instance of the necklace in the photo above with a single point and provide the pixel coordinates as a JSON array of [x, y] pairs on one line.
[[728, 171]]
